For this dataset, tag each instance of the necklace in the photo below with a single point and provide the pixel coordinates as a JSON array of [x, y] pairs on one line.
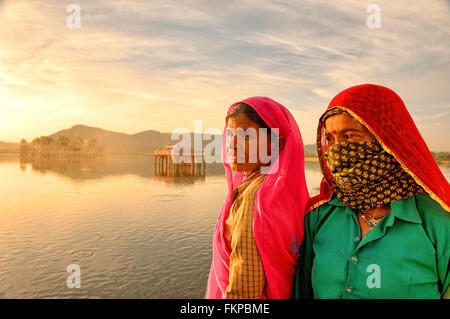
[[371, 220]]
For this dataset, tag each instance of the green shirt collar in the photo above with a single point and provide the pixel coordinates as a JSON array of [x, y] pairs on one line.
[[405, 209], [335, 201]]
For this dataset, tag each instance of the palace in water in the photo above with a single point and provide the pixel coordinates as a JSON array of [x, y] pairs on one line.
[[63, 147]]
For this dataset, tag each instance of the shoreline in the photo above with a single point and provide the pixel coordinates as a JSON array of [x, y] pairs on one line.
[[308, 158]]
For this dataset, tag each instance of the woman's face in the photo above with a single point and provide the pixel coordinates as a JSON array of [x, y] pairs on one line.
[[243, 143], [344, 128]]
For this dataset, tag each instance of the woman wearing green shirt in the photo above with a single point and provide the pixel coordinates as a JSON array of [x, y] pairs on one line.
[[380, 227]]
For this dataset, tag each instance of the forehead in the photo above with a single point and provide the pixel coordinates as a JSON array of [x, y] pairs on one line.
[[241, 120], [339, 122]]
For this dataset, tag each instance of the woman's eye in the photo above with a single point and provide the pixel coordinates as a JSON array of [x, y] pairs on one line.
[[329, 138]]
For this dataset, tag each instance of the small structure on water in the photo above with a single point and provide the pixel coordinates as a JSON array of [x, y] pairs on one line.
[[177, 164]]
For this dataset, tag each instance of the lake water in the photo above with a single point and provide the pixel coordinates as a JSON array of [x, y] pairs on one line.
[[132, 234]]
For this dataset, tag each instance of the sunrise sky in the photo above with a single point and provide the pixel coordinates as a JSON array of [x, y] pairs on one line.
[[138, 65]]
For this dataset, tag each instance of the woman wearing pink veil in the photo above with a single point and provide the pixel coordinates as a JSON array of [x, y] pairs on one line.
[[260, 225]]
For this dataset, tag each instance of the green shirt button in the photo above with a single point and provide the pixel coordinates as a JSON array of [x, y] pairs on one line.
[[349, 289], [355, 259]]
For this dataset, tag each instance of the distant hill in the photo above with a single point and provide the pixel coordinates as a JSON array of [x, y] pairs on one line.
[[122, 143], [118, 143]]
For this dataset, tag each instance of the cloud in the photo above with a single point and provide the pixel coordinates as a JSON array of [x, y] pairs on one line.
[[432, 117], [134, 63]]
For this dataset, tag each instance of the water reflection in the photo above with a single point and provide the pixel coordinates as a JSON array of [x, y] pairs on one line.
[[113, 165], [145, 166], [179, 169], [73, 167], [133, 234]]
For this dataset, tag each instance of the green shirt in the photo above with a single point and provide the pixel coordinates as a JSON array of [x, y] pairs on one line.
[[406, 255]]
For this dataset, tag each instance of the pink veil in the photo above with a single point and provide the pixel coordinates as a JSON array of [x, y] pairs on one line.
[[278, 211]]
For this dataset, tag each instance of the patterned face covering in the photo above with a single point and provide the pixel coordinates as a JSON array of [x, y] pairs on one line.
[[366, 176]]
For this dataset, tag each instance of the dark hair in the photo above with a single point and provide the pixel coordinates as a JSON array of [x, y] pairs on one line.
[[246, 110]]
